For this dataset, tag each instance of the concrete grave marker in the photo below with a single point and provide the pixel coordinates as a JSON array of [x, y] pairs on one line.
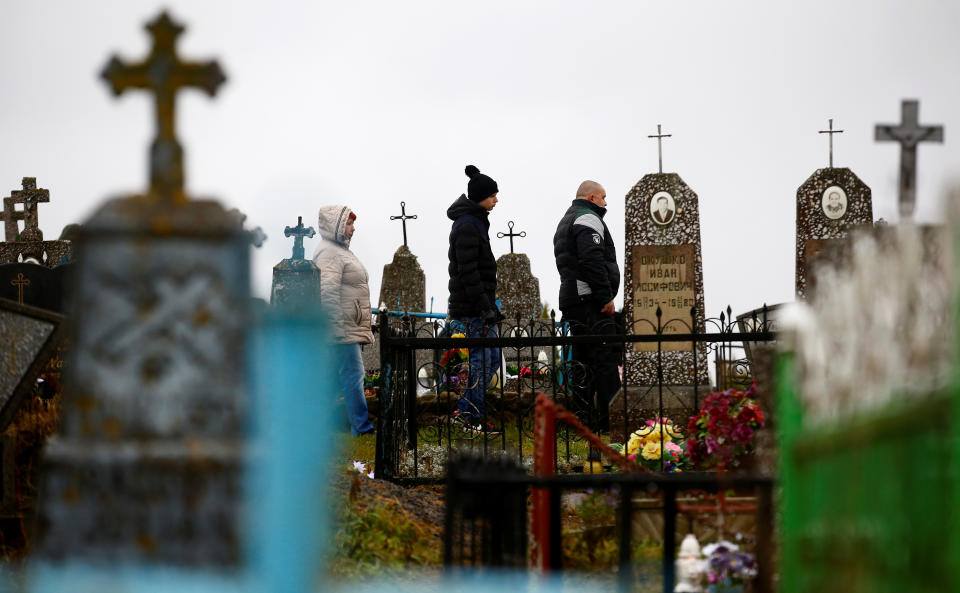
[[296, 281], [518, 290], [830, 203], [663, 271], [404, 285], [148, 465], [19, 246]]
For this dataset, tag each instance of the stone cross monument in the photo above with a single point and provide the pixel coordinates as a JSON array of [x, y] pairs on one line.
[[404, 285], [908, 133], [829, 203], [518, 290], [296, 281], [29, 244], [148, 464], [663, 273]]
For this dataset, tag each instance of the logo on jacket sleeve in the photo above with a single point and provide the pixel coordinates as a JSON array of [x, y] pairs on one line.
[[597, 238]]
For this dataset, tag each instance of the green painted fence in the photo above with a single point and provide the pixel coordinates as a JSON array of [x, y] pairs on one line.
[[870, 505]]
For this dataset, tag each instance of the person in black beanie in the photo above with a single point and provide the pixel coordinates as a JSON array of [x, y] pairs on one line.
[[473, 285]]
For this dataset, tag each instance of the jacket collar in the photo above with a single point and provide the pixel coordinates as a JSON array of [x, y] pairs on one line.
[[599, 210]]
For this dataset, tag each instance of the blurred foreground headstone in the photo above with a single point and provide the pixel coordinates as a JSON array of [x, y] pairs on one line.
[[147, 465]]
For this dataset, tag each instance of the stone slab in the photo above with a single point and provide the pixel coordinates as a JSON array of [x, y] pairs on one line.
[[28, 339]]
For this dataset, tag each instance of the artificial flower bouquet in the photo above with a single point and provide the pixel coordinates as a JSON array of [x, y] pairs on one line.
[[658, 446], [727, 568], [454, 363], [724, 429]]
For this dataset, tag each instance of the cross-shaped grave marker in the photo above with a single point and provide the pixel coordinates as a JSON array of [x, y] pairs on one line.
[[831, 132], [20, 282], [403, 219], [659, 138], [511, 234], [30, 196], [298, 233], [908, 133], [164, 74]]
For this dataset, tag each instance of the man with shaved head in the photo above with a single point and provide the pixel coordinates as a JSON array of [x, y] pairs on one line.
[[589, 281]]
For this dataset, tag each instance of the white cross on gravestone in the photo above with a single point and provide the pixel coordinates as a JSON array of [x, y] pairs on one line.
[[908, 133]]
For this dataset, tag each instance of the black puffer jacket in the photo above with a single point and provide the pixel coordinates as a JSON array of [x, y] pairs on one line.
[[473, 269], [586, 256]]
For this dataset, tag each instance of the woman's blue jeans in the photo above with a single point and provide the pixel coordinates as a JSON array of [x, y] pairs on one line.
[[350, 370]]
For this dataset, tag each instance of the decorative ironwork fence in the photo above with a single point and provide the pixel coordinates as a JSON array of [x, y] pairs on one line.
[[426, 376]]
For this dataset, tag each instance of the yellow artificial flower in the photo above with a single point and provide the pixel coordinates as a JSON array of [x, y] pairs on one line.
[[651, 450]]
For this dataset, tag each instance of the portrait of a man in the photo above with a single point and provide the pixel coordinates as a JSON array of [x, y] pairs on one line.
[[834, 202], [662, 208]]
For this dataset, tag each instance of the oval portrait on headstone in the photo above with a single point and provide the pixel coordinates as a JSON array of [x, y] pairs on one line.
[[662, 208], [834, 202]]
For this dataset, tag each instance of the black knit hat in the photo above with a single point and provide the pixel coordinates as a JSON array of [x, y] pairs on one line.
[[480, 186]]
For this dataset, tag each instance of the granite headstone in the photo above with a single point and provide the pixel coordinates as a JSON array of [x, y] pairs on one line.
[[830, 203]]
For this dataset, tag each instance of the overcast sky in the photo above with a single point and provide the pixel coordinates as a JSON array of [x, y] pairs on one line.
[[371, 103]]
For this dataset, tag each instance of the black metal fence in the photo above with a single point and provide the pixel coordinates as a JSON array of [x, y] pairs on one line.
[[426, 374], [486, 516]]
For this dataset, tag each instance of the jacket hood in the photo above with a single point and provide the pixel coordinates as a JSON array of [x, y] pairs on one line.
[[332, 224], [463, 205]]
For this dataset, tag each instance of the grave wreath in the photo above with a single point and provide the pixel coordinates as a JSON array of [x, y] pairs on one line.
[[724, 429]]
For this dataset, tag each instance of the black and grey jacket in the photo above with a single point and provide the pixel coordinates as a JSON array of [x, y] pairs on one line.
[[472, 268], [586, 256]]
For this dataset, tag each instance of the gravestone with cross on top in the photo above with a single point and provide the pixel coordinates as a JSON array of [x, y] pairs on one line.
[[662, 269], [28, 244], [296, 281], [148, 464], [830, 203], [403, 286], [662, 272], [518, 290]]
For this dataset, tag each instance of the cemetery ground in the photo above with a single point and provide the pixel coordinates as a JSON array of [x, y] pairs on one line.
[[386, 529]]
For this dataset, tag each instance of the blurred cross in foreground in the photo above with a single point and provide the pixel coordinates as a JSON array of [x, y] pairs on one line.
[[831, 132], [403, 219], [164, 74], [908, 133], [511, 234], [298, 233]]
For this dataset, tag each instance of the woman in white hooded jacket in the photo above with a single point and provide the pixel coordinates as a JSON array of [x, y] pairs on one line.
[[345, 295]]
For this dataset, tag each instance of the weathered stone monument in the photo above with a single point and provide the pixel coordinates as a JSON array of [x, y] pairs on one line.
[[19, 246], [147, 467], [662, 273], [830, 203], [296, 281], [404, 285], [518, 290], [908, 133]]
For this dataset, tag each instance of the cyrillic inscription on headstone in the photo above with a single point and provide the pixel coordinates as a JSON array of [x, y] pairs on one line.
[[663, 276]]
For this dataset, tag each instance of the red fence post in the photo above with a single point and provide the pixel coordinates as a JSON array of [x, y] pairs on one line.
[[545, 444]]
